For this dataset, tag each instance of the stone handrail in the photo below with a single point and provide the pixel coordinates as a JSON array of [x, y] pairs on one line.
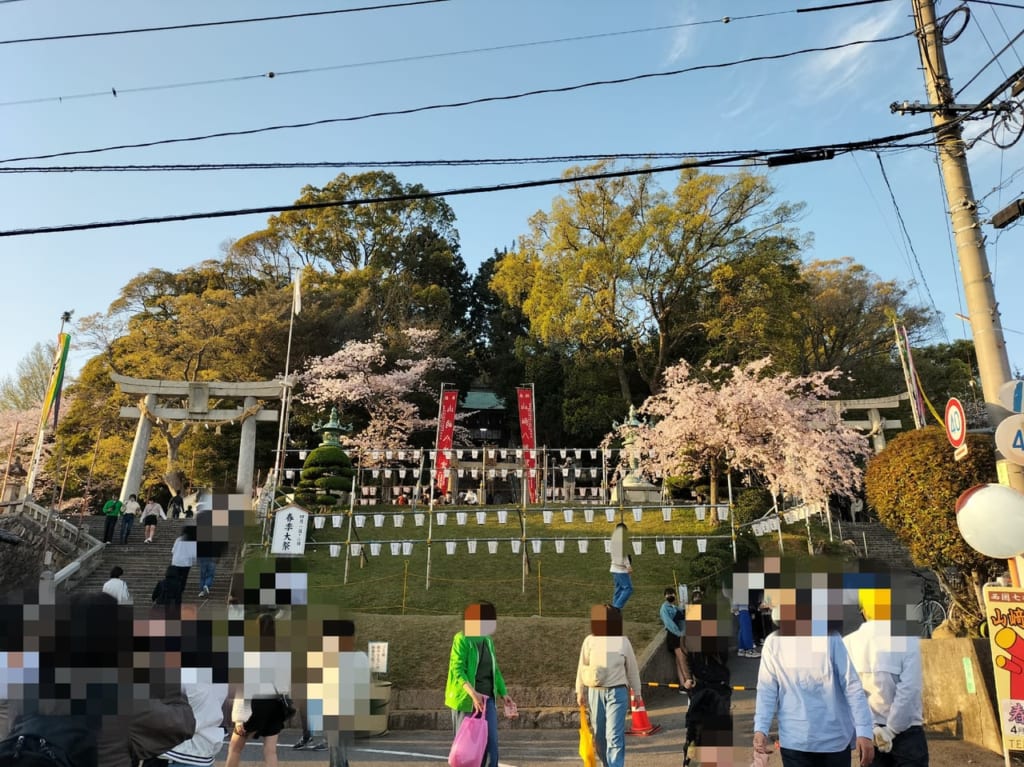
[[87, 546]]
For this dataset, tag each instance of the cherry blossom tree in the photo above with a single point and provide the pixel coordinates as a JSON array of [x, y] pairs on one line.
[[361, 375], [746, 417]]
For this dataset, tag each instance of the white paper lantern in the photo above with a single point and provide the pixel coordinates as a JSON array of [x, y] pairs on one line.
[[677, 545], [638, 547], [666, 514], [609, 514], [461, 517], [638, 514], [360, 520], [449, 547], [723, 513], [407, 548], [471, 546], [560, 545], [378, 520], [336, 520], [588, 515], [583, 544], [660, 546], [492, 547], [502, 516], [399, 519], [396, 548], [548, 516], [536, 545], [567, 516], [318, 522], [516, 543], [442, 518], [419, 518], [355, 549], [335, 549], [607, 546], [374, 549], [699, 513], [702, 545], [481, 517]]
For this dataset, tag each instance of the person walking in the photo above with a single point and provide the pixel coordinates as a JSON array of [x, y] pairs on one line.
[[674, 621], [150, 515], [130, 513], [621, 568], [607, 668], [211, 542], [474, 679], [111, 510], [183, 556], [809, 682], [890, 671], [259, 709], [116, 587]]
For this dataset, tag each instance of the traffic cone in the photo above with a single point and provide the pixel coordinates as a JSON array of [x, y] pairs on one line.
[[640, 724]]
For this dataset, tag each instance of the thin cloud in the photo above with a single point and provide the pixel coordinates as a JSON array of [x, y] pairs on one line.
[[682, 40], [826, 74]]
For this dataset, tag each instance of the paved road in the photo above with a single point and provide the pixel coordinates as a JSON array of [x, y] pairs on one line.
[[537, 748]]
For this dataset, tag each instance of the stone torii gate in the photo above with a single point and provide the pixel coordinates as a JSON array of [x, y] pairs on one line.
[[197, 410]]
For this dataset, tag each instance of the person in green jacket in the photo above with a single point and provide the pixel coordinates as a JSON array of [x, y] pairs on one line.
[[111, 510], [474, 679]]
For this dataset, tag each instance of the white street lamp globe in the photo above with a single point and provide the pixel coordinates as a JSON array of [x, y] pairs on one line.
[[991, 520]]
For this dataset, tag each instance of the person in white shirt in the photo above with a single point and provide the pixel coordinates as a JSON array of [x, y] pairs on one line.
[[150, 515], [890, 670], [608, 669], [129, 516], [183, 556], [117, 588], [807, 679]]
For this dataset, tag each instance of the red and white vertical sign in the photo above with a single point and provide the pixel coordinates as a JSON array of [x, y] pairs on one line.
[[529, 438], [445, 437]]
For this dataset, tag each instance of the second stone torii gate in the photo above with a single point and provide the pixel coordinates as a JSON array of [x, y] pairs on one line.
[[197, 394]]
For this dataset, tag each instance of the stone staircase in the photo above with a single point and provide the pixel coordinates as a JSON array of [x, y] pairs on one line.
[[881, 543], [144, 564]]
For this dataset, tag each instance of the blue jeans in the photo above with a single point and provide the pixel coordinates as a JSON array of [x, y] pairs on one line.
[[745, 638], [608, 709], [491, 712], [127, 520], [207, 567], [623, 589]]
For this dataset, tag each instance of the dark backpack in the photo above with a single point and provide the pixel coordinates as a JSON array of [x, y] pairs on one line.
[[49, 741]]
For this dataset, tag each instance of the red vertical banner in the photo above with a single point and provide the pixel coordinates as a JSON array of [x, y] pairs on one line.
[[529, 439], [445, 437]]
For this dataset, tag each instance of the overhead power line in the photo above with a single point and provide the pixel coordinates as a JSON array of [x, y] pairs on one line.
[[224, 23], [460, 104], [821, 150]]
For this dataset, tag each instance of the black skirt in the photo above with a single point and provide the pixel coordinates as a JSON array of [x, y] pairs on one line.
[[150, 519], [268, 717], [671, 642]]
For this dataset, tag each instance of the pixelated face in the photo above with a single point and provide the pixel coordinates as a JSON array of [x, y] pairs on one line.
[[480, 620], [605, 621], [706, 630]]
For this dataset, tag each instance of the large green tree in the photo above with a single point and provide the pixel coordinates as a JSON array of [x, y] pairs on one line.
[[618, 266], [26, 389]]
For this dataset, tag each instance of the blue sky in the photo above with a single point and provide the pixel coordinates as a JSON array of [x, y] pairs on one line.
[[804, 100]]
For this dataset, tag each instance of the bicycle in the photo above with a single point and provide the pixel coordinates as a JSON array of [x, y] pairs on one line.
[[931, 609]]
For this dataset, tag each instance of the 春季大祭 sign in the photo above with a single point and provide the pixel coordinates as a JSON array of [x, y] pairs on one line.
[[289, 537]]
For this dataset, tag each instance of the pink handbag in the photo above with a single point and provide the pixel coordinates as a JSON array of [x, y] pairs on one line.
[[470, 742]]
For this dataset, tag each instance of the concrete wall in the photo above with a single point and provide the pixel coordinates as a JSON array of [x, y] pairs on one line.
[[949, 706]]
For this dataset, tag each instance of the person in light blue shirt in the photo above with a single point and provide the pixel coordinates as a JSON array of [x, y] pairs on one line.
[[807, 679], [674, 621]]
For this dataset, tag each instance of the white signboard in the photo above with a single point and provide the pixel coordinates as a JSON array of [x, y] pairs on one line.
[[378, 652], [289, 531]]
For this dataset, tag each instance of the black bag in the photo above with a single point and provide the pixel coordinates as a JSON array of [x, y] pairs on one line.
[[49, 741], [287, 706]]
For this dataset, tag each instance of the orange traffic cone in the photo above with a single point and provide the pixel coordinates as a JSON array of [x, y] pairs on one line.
[[640, 724]]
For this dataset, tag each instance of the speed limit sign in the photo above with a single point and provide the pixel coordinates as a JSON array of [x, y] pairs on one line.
[[956, 423]]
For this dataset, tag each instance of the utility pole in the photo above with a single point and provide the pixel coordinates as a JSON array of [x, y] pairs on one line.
[[989, 344]]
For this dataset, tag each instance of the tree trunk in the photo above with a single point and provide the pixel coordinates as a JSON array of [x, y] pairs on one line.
[[620, 368]]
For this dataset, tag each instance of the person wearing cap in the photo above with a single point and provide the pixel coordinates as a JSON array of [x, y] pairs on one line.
[[890, 672]]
